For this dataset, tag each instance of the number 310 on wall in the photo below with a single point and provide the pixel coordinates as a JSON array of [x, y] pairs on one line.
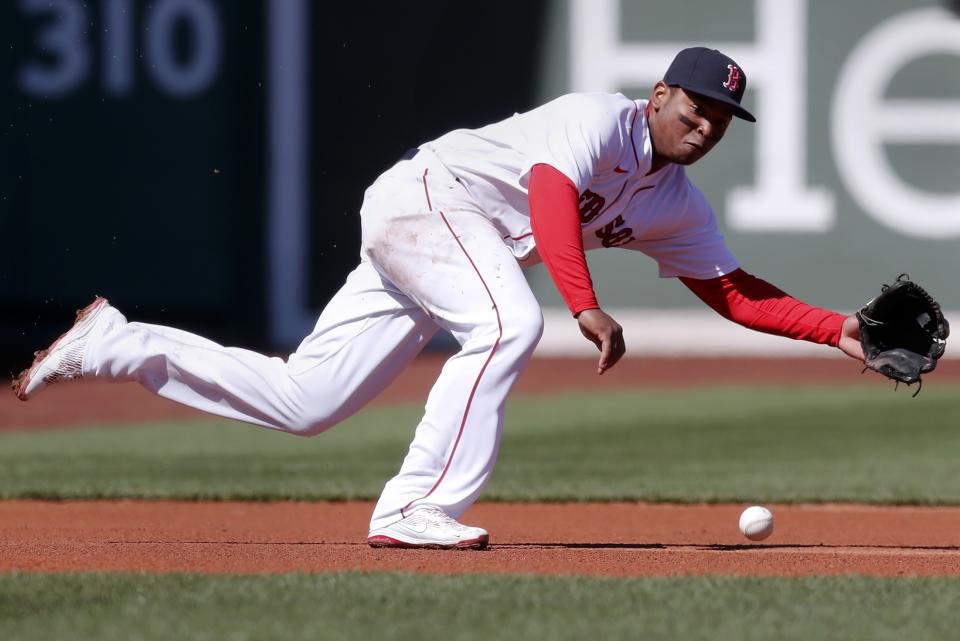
[[65, 37]]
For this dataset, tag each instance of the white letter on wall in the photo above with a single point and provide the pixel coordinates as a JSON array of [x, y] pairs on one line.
[[863, 121]]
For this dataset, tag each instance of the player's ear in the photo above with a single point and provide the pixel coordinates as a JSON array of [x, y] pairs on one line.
[[660, 95]]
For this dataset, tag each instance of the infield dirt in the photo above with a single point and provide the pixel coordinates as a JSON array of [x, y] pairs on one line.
[[614, 539]]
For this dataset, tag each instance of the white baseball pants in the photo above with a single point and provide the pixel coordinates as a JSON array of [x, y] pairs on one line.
[[430, 259]]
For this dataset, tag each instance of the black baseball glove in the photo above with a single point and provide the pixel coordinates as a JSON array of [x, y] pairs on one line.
[[903, 331]]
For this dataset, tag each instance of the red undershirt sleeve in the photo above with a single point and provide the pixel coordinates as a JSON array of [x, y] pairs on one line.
[[555, 221], [756, 304]]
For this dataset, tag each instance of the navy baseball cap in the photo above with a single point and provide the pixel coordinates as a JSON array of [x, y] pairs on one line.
[[712, 74]]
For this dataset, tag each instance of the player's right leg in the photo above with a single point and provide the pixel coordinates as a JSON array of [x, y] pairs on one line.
[[363, 339], [426, 233]]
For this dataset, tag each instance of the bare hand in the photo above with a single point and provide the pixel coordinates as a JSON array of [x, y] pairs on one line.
[[605, 333], [850, 338]]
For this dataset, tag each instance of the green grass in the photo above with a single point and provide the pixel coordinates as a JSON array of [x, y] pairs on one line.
[[128, 607], [841, 444]]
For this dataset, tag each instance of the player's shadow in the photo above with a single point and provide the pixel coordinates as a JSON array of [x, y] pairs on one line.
[[717, 547], [725, 547], [587, 546], [820, 546]]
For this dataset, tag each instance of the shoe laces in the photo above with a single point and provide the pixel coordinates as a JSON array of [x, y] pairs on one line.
[[70, 365], [436, 516]]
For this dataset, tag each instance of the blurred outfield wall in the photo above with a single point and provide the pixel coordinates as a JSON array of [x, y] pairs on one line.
[[201, 162], [850, 176]]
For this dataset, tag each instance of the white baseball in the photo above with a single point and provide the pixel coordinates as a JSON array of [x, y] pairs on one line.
[[756, 523]]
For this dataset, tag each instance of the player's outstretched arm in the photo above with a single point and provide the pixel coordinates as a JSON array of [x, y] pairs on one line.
[[604, 332], [758, 305]]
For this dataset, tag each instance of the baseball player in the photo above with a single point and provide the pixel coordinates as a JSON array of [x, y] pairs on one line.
[[445, 234]]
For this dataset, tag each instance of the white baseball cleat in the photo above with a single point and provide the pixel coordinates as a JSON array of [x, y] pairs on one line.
[[62, 361], [428, 527]]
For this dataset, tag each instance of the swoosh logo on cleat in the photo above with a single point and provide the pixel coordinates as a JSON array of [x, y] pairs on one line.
[[419, 528]]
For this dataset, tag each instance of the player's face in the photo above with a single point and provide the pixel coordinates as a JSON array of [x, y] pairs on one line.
[[684, 125]]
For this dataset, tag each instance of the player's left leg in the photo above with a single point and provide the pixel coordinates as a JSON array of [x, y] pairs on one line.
[[363, 339]]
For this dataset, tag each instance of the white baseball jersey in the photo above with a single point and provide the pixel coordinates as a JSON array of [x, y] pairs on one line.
[[442, 234], [602, 144]]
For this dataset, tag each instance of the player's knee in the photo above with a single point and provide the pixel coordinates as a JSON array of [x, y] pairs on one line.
[[310, 424], [308, 406], [309, 416], [522, 325]]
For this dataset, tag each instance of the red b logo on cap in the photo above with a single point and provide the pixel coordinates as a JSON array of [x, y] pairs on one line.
[[733, 78]]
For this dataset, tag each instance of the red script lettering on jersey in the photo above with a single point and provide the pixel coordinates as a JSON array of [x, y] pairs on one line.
[[591, 204], [611, 236]]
